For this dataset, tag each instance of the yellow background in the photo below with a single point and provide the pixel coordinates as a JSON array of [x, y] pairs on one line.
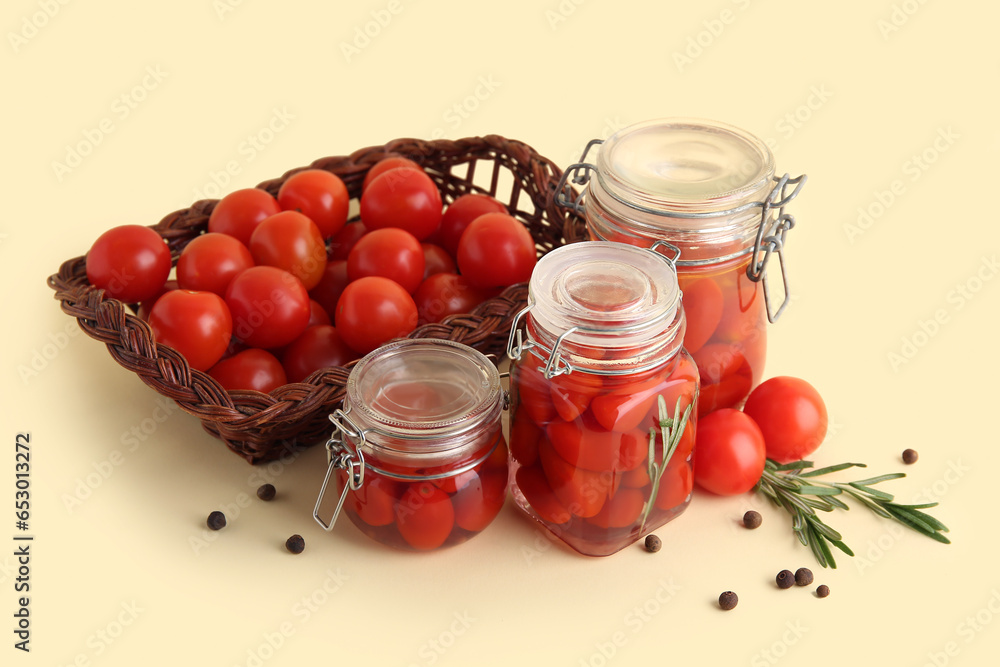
[[852, 93]]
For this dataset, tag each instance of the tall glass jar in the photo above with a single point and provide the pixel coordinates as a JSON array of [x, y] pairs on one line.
[[602, 396], [710, 190], [417, 450]]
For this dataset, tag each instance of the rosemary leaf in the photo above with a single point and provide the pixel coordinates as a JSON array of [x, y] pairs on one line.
[[880, 478], [875, 493], [805, 489], [829, 469]]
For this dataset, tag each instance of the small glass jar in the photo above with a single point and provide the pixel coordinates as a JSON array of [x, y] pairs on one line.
[[418, 450], [600, 388], [708, 189]]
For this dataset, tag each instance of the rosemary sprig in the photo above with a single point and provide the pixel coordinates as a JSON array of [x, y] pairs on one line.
[[794, 487], [671, 430]]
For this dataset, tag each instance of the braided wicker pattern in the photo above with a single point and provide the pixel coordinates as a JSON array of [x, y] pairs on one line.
[[261, 427]]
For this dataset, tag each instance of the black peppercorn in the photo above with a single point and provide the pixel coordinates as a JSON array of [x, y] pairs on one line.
[[803, 576], [822, 591], [653, 543], [216, 520], [295, 544], [752, 519], [909, 456], [785, 579], [728, 600], [266, 492]]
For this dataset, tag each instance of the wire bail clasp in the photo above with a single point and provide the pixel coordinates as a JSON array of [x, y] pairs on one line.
[[771, 239], [342, 452], [581, 175]]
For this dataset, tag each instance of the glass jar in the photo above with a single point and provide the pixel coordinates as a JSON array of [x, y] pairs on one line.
[[418, 450], [709, 190], [602, 428]]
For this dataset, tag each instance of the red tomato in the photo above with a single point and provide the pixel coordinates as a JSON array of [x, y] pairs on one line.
[[581, 491], [496, 251], [148, 304], [425, 516], [130, 262], [585, 444], [331, 285], [479, 501], [532, 392], [238, 213], [210, 261], [391, 253], [437, 260], [290, 241], [387, 164], [460, 214], [726, 376], [524, 435], [445, 294], [621, 511], [404, 198], [254, 369], [729, 452], [627, 407], [196, 324], [375, 501], [318, 194], [341, 243], [703, 309], [317, 315], [270, 307], [675, 485], [533, 485], [372, 311], [572, 393], [318, 347], [791, 415]]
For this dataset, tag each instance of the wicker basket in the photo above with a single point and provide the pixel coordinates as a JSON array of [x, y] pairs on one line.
[[262, 427]]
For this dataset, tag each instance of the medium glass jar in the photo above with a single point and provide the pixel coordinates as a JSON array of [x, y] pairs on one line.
[[417, 450], [709, 190], [602, 394]]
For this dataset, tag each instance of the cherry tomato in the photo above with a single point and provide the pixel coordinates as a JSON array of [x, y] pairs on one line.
[[387, 164], [391, 253], [445, 294], [621, 511], [290, 241], [625, 408], [130, 262], [404, 198], [425, 516], [675, 485], [729, 452], [524, 435], [460, 214], [331, 285], [196, 324], [254, 369], [496, 251], [210, 261], [341, 243], [480, 500], [318, 347], [437, 260], [270, 307], [726, 376], [317, 315], [533, 395], [238, 213], [375, 501], [586, 444], [148, 304], [571, 393], [531, 482], [791, 415], [372, 311], [703, 309], [319, 195], [581, 491]]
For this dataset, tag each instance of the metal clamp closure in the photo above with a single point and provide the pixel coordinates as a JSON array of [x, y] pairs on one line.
[[581, 175], [342, 452], [771, 239]]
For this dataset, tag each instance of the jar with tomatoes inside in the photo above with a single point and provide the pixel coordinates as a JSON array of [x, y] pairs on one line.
[[417, 452], [710, 190], [602, 417]]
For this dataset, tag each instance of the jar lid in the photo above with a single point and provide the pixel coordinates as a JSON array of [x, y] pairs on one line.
[[423, 388], [615, 295], [680, 165]]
